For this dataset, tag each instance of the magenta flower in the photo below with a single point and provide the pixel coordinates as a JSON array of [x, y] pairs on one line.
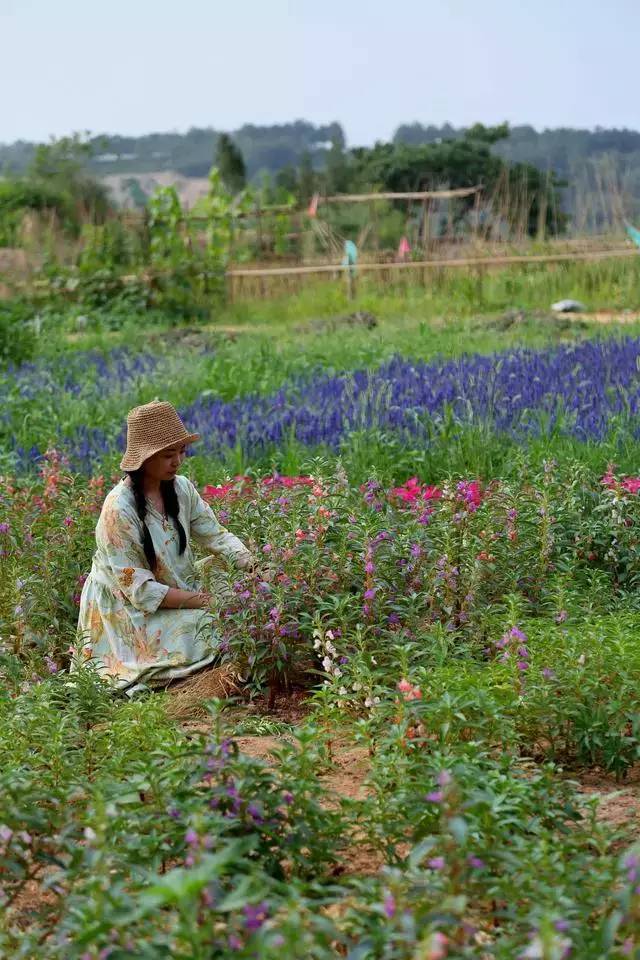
[[436, 863], [4, 528]]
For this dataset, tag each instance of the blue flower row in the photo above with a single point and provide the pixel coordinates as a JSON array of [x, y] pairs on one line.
[[578, 389]]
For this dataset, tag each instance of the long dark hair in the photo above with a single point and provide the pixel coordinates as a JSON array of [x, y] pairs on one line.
[[171, 507]]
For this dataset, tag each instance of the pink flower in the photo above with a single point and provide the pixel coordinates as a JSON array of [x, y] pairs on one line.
[[68, 521], [436, 863], [216, 493], [408, 691]]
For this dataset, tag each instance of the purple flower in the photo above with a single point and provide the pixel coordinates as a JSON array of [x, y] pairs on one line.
[[476, 862], [4, 528], [523, 665], [255, 813], [436, 796], [52, 666], [287, 798], [444, 778], [235, 943], [389, 905], [255, 916], [207, 898], [436, 863], [191, 838], [517, 634], [370, 594], [561, 616], [548, 673]]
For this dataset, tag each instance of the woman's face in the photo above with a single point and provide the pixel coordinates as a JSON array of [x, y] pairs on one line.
[[165, 464]]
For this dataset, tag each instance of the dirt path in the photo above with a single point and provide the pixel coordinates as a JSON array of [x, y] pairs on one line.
[[618, 803]]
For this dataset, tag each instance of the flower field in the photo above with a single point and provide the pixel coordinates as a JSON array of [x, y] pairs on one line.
[[436, 704]]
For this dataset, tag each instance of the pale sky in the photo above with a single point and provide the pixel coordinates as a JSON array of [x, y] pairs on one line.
[[137, 66]]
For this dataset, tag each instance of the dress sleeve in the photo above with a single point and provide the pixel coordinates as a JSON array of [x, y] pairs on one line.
[[120, 538], [211, 535]]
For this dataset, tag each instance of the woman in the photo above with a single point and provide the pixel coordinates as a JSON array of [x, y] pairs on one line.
[[143, 613]]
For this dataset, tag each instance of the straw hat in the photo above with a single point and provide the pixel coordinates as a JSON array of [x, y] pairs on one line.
[[151, 428]]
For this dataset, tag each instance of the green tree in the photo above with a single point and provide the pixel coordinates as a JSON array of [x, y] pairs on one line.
[[336, 169], [230, 164], [62, 165], [306, 178]]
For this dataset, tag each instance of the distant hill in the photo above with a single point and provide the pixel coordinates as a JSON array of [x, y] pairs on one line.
[[192, 154]]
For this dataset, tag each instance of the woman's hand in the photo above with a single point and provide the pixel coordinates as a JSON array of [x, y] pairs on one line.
[[186, 599], [200, 601]]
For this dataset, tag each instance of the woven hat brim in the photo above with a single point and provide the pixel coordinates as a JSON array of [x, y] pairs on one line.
[[134, 462]]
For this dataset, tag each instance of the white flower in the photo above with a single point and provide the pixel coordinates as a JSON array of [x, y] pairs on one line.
[[342, 691], [329, 647], [368, 702], [356, 687], [327, 663], [329, 635], [374, 661], [337, 672], [89, 834], [317, 644]]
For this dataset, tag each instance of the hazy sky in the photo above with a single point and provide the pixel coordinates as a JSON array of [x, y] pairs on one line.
[[136, 66]]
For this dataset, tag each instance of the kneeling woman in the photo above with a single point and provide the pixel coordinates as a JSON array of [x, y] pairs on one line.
[[143, 612]]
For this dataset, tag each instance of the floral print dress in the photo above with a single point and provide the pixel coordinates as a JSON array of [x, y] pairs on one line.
[[121, 625]]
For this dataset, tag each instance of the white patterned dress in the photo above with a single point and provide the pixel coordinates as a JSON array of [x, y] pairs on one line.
[[121, 625]]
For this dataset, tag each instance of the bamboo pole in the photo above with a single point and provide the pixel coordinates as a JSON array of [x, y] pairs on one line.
[[612, 253]]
